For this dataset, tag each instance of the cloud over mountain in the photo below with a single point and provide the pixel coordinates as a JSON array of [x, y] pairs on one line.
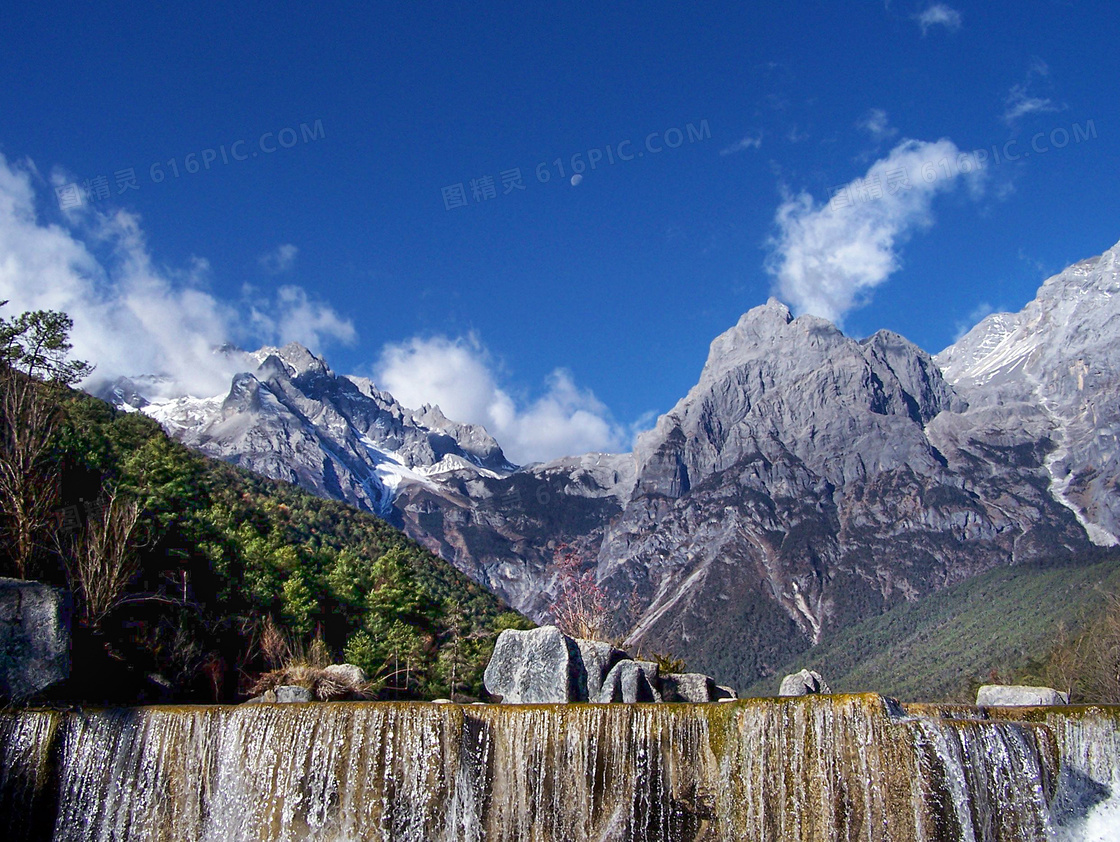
[[825, 259], [131, 315], [459, 376]]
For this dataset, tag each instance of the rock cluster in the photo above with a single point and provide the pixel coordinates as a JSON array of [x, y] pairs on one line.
[[545, 666], [34, 638]]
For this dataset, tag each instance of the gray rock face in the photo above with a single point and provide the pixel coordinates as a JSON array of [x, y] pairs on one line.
[[688, 687], [533, 667], [808, 481], [597, 660], [1016, 695], [290, 693], [804, 683], [628, 682], [1052, 367], [34, 638]]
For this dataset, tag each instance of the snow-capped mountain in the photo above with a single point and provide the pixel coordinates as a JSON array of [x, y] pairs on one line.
[[292, 418], [1054, 366], [807, 481]]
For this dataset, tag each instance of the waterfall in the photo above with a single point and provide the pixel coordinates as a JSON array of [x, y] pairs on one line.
[[815, 768]]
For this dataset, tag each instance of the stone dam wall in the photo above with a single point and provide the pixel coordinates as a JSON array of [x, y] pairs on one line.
[[808, 768]]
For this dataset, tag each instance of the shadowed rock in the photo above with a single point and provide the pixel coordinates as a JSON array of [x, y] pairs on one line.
[[34, 638], [597, 658], [628, 682], [688, 687]]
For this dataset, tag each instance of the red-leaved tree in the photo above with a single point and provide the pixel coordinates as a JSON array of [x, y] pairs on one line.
[[581, 608]]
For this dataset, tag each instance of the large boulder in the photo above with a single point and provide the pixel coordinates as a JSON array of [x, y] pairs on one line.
[[629, 682], [541, 666], [688, 687], [1018, 695], [804, 683], [34, 638]]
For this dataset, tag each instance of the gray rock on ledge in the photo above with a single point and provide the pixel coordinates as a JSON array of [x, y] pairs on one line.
[[689, 687], [1018, 695], [535, 667], [597, 659], [629, 682], [804, 683], [34, 638]]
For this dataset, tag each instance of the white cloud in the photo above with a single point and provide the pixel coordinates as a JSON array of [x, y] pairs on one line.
[[876, 123], [1019, 105], [794, 135], [279, 260], [939, 14], [293, 317], [749, 142], [826, 259], [459, 376], [130, 316], [1023, 99]]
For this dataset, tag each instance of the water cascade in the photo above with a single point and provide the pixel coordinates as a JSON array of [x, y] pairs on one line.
[[812, 768]]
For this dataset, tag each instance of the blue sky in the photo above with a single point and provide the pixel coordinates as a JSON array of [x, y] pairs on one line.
[[560, 315]]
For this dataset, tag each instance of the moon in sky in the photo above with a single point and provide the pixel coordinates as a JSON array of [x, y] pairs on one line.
[[576, 179]]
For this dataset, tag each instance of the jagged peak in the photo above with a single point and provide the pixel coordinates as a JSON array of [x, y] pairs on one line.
[[430, 415], [298, 359], [763, 330], [890, 340], [271, 366]]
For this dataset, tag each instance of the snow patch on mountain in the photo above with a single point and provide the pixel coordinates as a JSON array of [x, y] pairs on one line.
[[1060, 355]]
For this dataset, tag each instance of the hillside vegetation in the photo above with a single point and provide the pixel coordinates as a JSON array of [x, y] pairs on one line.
[[191, 577], [1027, 623]]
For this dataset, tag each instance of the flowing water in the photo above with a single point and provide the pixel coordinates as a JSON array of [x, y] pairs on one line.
[[815, 768]]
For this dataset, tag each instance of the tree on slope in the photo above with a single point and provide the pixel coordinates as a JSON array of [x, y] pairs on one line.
[[34, 368]]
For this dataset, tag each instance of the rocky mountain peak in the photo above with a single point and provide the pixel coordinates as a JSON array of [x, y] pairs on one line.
[[297, 359], [782, 387], [1054, 365]]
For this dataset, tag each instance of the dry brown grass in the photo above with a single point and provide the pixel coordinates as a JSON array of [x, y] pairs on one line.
[[324, 686]]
